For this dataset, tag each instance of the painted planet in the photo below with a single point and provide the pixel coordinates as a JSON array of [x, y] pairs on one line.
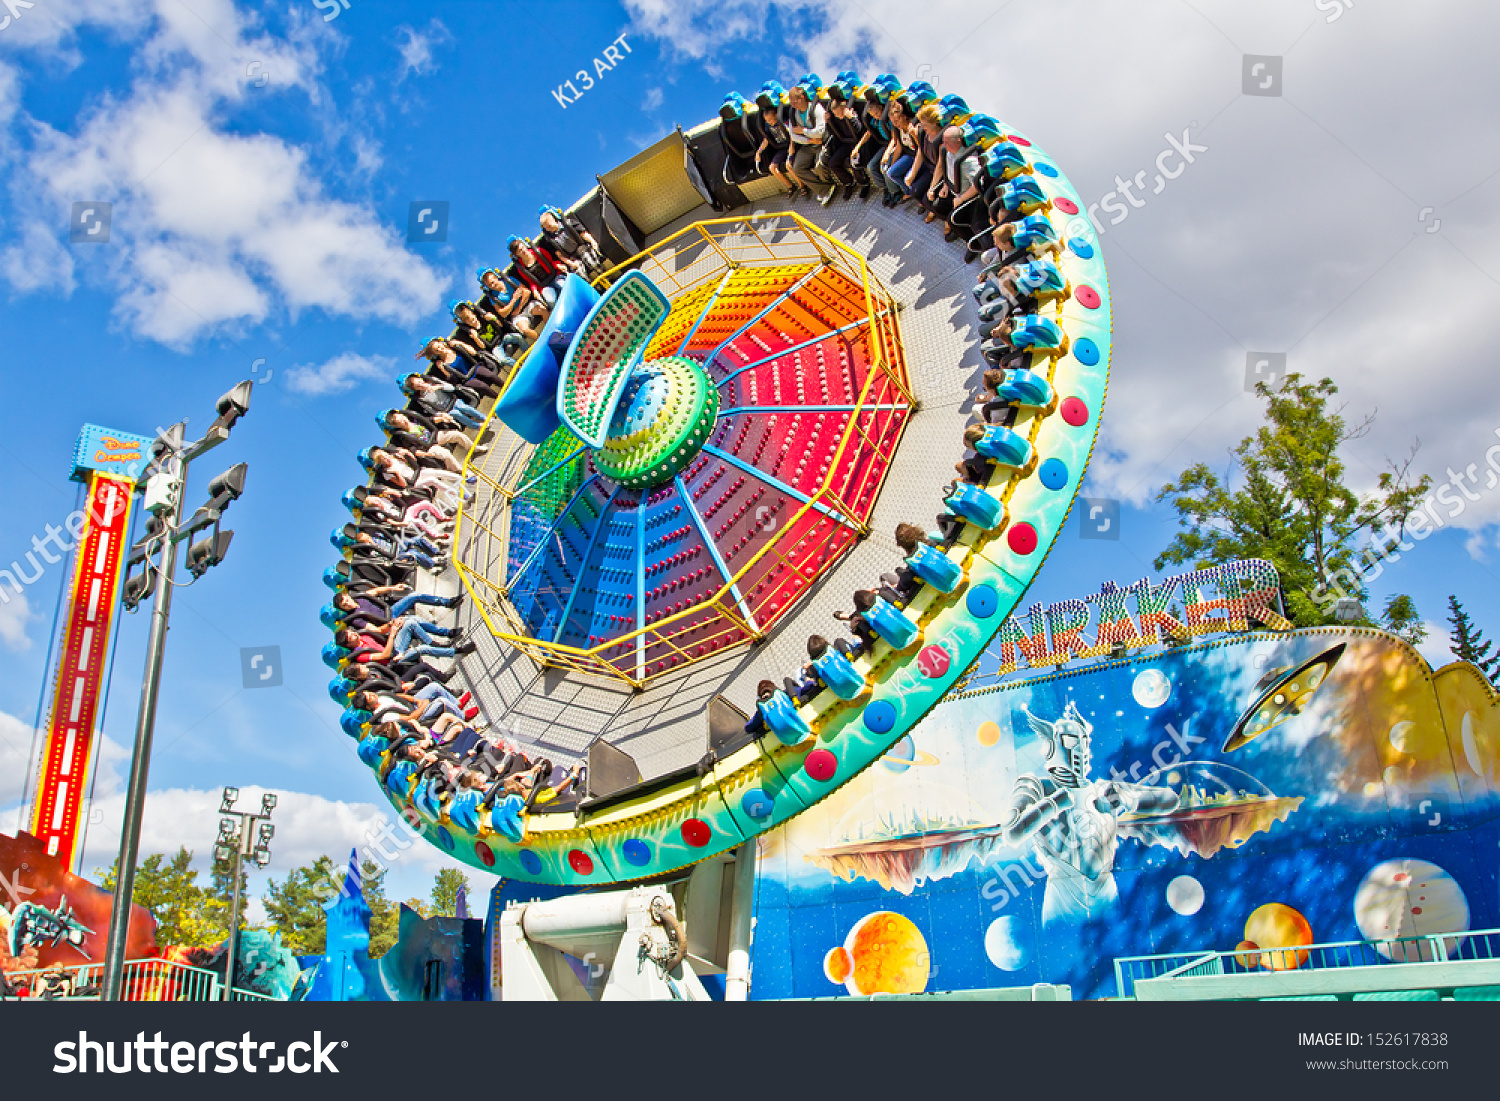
[[1403, 737], [904, 755], [1151, 688], [1276, 925], [1185, 895], [1003, 943], [837, 965], [989, 734], [1406, 898], [887, 955]]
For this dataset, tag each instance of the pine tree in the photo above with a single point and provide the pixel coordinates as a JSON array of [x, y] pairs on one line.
[[1468, 642]]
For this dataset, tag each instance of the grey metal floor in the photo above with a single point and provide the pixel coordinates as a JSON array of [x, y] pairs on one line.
[[665, 726]]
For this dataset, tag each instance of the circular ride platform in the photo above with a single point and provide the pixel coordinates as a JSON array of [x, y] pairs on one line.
[[833, 336]]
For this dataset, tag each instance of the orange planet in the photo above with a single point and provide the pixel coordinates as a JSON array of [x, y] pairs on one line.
[[1274, 926], [837, 965], [1247, 954], [886, 954], [989, 733]]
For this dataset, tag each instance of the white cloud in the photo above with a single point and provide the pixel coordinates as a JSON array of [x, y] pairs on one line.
[[1299, 231], [1435, 646], [343, 372], [14, 613], [211, 229], [418, 47], [15, 746], [655, 97]]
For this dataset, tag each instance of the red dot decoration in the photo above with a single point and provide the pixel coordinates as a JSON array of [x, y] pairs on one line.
[[1074, 412], [486, 857], [1087, 297], [1067, 206], [1018, 139], [581, 862], [933, 661], [821, 765], [696, 833], [1021, 538]]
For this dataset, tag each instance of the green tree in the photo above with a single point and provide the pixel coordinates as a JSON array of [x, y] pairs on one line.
[[445, 887], [1285, 498], [384, 914], [295, 905], [1403, 620], [1468, 642], [185, 913]]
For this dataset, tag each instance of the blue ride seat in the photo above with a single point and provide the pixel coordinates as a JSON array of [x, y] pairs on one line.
[[507, 818], [1004, 446], [371, 749], [976, 506], [399, 776], [1025, 388], [839, 674], [463, 811], [783, 720], [890, 624], [935, 568]]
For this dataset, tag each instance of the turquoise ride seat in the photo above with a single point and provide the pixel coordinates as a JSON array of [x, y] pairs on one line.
[[936, 569], [976, 506], [838, 672], [784, 721], [891, 625]]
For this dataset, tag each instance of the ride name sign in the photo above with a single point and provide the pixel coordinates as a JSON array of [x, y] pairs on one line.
[[121, 454], [1233, 596]]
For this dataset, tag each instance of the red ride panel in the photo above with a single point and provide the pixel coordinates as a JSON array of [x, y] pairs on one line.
[[80, 668]]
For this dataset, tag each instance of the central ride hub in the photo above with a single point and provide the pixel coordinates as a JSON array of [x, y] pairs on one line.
[[664, 418]]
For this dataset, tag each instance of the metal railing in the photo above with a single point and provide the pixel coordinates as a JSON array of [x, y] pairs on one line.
[[145, 981], [1479, 944], [742, 609]]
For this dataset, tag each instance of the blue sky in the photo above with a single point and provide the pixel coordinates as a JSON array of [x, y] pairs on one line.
[[261, 161]]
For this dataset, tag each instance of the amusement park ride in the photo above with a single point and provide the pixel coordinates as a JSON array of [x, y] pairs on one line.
[[706, 444]]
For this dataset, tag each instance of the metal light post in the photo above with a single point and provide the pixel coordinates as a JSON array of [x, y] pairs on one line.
[[242, 837], [164, 531]]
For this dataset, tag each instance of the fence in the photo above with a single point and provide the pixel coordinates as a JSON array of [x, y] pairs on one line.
[[145, 981], [1482, 944]]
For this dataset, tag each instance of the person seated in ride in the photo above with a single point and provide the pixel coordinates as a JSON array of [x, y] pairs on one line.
[[443, 397], [870, 149], [1030, 279], [373, 649], [1025, 332], [858, 623], [924, 557], [835, 669], [375, 604], [807, 123], [808, 684], [989, 405], [451, 361], [396, 508], [411, 430], [776, 142], [959, 175], [513, 303], [765, 692], [1035, 233], [844, 129], [424, 705], [393, 548], [999, 443], [539, 269], [568, 239]]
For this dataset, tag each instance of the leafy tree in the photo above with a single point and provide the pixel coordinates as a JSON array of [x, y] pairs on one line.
[[185, 913], [384, 914], [295, 905], [445, 887], [1290, 503], [1403, 620], [1468, 642], [418, 905]]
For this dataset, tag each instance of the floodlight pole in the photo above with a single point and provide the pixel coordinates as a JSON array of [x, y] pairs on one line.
[[145, 726], [173, 462], [243, 847]]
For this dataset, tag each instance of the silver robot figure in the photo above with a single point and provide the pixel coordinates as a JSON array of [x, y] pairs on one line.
[[1072, 822]]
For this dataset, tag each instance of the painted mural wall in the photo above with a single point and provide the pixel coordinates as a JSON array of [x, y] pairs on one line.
[[1260, 792]]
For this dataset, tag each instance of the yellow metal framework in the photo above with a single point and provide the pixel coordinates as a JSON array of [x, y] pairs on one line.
[[701, 254]]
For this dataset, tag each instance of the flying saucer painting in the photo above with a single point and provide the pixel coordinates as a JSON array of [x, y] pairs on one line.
[[904, 755], [1283, 698]]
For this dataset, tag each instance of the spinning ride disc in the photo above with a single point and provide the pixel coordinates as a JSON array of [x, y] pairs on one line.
[[690, 454]]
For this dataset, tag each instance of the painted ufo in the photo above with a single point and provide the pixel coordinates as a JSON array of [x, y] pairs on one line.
[[1284, 697]]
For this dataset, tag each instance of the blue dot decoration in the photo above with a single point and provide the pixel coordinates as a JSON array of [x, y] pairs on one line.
[[445, 839], [531, 862], [636, 852], [1045, 169], [982, 602], [1081, 248], [880, 716], [756, 804], [1086, 352], [1054, 473]]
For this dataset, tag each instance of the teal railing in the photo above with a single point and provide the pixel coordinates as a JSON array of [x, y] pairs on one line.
[[1479, 944], [145, 981]]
